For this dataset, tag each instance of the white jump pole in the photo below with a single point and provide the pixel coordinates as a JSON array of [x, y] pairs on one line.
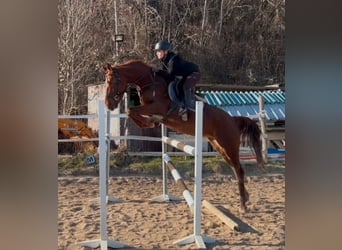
[[103, 241], [180, 182]]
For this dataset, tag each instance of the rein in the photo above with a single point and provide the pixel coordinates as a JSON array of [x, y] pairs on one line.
[[141, 88], [116, 96]]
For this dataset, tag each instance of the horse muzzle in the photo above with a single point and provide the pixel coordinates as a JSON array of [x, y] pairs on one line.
[[111, 104]]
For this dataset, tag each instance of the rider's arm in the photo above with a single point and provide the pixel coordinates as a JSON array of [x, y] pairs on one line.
[[172, 66], [164, 74]]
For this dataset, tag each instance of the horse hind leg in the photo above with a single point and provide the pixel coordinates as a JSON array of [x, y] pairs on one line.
[[232, 158], [239, 173]]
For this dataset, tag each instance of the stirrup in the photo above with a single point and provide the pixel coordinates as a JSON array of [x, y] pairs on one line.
[[183, 113]]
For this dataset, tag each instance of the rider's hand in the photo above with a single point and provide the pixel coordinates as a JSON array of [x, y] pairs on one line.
[[155, 70]]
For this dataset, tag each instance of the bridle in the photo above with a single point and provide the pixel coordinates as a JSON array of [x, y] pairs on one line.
[[116, 96]]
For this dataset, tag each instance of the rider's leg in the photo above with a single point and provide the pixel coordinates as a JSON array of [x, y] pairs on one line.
[[189, 84], [183, 111], [187, 97], [183, 107]]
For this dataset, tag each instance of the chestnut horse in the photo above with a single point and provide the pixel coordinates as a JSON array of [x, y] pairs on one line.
[[222, 130]]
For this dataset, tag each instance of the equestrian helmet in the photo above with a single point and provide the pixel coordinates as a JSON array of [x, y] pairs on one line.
[[162, 45]]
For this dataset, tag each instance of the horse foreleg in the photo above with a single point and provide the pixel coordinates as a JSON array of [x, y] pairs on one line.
[[140, 121], [144, 115]]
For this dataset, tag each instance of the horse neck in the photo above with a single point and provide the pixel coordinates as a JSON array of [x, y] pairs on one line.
[[138, 76]]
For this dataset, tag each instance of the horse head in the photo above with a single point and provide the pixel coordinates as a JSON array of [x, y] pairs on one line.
[[115, 87]]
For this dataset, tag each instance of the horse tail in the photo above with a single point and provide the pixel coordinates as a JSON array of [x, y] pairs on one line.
[[250, 136]]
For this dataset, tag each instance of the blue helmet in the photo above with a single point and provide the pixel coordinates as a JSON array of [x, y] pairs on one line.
[[163, 45]]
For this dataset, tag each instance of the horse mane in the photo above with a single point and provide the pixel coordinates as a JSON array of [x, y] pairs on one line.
[[130, 62], [140, 68]]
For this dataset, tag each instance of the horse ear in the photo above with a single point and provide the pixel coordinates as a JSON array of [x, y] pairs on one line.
[[107, 67]]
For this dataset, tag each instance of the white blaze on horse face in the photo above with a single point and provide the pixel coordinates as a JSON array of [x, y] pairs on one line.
[[109, 101]]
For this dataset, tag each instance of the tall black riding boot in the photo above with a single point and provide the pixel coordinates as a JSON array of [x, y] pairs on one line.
[[188, 100], [183, 112]]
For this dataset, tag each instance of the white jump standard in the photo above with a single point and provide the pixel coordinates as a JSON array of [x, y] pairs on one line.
[[104, 242], [109, 198], [196, 151]]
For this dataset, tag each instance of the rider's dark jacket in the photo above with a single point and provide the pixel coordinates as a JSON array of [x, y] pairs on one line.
[[173, 66]]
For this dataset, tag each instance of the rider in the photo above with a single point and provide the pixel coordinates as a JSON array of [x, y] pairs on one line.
[[174, 68]]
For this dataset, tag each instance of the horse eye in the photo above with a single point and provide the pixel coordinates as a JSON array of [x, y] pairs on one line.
[[117, 98]]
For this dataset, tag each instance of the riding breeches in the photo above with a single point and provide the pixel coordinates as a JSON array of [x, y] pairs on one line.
[[192, 80]]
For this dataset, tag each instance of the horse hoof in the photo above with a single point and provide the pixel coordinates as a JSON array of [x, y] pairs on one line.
[[243, 209], [247, 196], [262, 168]]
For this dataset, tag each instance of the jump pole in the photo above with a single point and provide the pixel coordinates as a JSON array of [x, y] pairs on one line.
[[103, 242], [179, 145], [224, 218], [180, 182]]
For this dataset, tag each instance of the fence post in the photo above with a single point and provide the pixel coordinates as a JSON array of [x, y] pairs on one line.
[[263, 128]]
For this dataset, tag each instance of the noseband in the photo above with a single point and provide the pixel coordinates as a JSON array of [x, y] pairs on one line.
[[116, 96]]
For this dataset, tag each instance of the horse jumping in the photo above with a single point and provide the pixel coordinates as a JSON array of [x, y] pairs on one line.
[[223, 131]]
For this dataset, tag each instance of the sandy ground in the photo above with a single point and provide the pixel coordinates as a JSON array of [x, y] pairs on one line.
[[142, 224]]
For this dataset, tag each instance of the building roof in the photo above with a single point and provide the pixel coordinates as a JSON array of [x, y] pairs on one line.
[[245, 103]]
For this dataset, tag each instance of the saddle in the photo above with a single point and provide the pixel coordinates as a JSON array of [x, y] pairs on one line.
[[176, 94]]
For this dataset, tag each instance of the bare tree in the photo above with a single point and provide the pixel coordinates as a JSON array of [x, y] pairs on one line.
[[75, 48], [204, 19], [84, 44]]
